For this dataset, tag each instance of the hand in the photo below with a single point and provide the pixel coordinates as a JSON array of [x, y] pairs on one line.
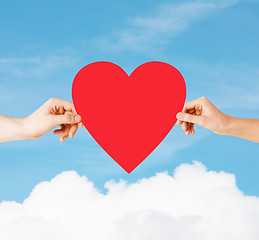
[[202, 112], [55, 112]]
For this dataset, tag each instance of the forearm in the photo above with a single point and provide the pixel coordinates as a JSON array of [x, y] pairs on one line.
[[12, 129], [243, 128]]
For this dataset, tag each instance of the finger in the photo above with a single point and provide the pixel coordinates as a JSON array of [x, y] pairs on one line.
[[80, 124], [60, 102], [187, 132], [186, 117], [66, 119], [192, 132], [191, 127], [184, 126], [178, 122], [191, 111], [192, 105], [74, 110], [64, 135], [73, 130], [59, 131]]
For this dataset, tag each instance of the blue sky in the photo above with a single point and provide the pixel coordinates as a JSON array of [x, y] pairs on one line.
[[44, 44]]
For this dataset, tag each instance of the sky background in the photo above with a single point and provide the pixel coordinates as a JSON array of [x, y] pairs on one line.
[[43, 44]]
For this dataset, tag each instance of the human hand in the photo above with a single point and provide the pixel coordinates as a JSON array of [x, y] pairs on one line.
[[202, 112], [55, 112]]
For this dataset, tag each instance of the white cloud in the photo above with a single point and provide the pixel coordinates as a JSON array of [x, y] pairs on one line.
[[193, 203], [144, 33]]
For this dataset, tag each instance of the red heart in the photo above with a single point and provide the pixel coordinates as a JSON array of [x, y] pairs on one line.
[[128, 116]]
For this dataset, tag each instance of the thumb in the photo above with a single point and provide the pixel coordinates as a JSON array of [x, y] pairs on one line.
[[67, 119], [186, 117]]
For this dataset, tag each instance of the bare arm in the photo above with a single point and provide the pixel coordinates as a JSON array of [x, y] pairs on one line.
[[202, 112], [12, 129], [55, 112], [243, 128]]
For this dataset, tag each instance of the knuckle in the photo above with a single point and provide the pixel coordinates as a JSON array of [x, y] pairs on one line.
[[203, 99], [51, 100]]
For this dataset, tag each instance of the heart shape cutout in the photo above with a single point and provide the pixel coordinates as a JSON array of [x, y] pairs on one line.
[[128, 116]]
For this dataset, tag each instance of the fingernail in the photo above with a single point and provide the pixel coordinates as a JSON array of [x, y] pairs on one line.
[[77, 118], [179, 116]]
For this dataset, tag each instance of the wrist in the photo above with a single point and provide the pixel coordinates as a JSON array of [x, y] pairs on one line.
[[229, 126], [22, 130], [13, 129], [26, 128]]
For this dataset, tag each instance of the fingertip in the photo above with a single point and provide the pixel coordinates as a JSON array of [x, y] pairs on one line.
[[71, 134], [179, 116], [63, 138], [55, 132], [58, 131], [179, 122], [78, 118], [80, 125], [184, 126]]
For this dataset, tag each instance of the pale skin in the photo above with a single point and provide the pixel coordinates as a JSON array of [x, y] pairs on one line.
[[202, 112], [55, 112]]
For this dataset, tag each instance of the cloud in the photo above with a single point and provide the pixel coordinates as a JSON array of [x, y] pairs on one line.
[[193, 203], [145, 33]]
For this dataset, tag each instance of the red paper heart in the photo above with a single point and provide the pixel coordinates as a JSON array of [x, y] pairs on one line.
[[128, 116]]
